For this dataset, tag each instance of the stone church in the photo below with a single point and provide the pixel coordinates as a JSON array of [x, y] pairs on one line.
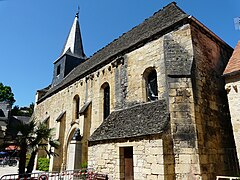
[[149, 105]]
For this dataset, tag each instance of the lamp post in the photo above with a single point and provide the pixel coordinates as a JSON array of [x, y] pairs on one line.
[[19, 134], [21, 140]]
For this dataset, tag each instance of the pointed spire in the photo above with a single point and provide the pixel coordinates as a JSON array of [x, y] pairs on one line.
[[73, 43]]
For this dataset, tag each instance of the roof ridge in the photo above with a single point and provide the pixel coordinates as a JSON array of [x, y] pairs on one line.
[[146, 19], [166, 19]]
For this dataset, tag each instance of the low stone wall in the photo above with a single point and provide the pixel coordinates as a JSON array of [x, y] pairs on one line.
[[147, 159]]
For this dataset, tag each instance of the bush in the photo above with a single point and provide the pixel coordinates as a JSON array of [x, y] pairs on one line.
[[27, 159], [43, 164], [84, 165]]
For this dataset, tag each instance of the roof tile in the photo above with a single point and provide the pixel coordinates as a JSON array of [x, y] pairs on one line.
[[233, 65], [160, 21], [144, 119]]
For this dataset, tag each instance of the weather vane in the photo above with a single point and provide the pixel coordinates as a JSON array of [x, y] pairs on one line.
[[78, 9]]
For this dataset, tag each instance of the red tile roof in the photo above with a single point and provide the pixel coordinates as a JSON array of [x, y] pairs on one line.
[[233, 65]]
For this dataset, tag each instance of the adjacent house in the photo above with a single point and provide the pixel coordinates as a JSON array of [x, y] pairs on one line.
[[8, 124], [232, 77], [5, 109]]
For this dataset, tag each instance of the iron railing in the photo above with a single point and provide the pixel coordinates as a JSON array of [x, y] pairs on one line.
[[82, 174]]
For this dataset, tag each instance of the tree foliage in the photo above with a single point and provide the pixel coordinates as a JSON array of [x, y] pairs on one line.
[[23, 111], [6, 94]]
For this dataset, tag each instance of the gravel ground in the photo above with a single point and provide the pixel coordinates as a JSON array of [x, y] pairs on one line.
[[8, 170]]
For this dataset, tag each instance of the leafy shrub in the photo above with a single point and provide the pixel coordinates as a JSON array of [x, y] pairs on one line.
[[27, 158], [84, 165], [43, 164]]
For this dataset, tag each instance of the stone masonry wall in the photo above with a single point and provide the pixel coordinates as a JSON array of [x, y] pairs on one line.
[[179, 51], [214, 130], [125, 78], [199, 140], [147, 159], [232, 87]]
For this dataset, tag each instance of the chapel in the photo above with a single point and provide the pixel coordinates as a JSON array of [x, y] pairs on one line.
[[151, 104]]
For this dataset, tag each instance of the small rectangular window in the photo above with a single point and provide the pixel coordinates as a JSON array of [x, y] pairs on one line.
[[58, 69]]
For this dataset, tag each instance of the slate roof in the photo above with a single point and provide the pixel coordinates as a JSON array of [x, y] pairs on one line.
[[84, 108], [158, 24], [233, 65], [3, 119], [73, 42], [2, 122], [25, 119], [140, 120], [60, 116]]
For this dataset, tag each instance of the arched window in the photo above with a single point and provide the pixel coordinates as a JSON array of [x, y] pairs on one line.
[[76, 102], [150, 76], [106, 100]]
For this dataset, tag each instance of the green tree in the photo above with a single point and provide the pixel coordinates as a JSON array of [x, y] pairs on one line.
[[15, 111], [32, 137], [6, 94], [24, 139], [23, 111], [31, 109], [42, 139]]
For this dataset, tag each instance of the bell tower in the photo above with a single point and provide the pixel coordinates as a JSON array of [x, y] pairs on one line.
[[72, 54]]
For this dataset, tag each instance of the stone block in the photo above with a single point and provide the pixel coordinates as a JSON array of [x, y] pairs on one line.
[[184, 159], [138, 175], [152, 177], [151, 159], [161, 177], [140, 163], [203, 159], [101, 162], [137, 169], [169, 169], [182, 168], [105, 156], [146, 171], [157, 169], [159, 159], [172, 93], [140, 148], [155, 151]]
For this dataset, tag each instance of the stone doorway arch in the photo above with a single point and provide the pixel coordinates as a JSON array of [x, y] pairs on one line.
[[78, 148], [72, 150]]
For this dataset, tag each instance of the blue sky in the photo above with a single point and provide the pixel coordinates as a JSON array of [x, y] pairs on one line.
[[33, 32]]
